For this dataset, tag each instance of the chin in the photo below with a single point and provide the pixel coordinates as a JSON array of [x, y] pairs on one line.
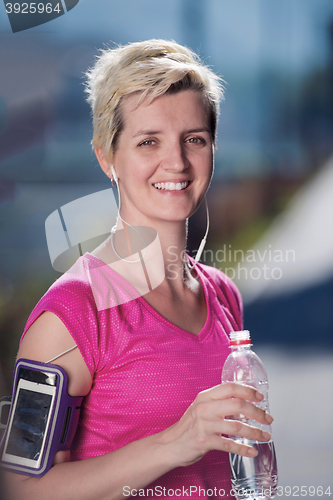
[[175, 217], [176, 214]]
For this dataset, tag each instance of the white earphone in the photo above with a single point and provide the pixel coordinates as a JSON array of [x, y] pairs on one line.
[[203, 241], [114, 174]]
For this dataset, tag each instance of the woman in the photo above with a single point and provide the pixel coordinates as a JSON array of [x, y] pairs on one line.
[[154, 415]]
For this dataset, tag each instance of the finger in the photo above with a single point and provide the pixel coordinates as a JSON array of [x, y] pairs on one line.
[[230, 446], [216, 410], [232, 390], [236, 428], [238, 406]]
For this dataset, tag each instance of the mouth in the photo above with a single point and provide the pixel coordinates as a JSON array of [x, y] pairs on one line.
[[171, 186]]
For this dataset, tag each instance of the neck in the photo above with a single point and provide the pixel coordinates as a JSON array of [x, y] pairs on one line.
[[172, 236], [173, 243]]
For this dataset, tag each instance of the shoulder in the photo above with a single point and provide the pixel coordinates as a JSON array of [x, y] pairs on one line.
[[70, 298], [226, 289], [71, 302], [71, 290], [76, 279], [220, 279]]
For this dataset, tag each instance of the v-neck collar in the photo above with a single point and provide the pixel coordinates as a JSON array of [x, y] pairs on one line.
[[206, 329]]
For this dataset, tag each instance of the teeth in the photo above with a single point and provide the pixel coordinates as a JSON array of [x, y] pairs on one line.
[[171, 186]]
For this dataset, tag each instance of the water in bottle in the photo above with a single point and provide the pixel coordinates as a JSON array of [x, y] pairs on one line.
[[251, 477]]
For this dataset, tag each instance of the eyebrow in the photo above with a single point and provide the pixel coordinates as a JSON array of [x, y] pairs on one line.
[[147, 132], [197, 130], [156, 132]]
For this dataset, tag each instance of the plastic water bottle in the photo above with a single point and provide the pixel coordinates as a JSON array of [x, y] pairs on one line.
[[252, 478]]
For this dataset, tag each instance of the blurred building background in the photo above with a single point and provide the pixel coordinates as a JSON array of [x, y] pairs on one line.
[[270, 201]]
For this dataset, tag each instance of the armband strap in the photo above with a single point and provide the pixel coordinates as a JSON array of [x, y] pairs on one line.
[[42, 418]]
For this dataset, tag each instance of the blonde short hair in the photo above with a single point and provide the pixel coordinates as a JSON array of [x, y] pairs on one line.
[[152, 68]]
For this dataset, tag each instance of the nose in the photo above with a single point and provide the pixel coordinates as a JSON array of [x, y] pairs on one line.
[[175, 159]]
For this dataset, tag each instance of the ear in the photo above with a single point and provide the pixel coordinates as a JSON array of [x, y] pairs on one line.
[[105, 165]]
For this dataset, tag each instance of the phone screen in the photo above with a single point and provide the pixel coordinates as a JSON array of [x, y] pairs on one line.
[[29, 423]]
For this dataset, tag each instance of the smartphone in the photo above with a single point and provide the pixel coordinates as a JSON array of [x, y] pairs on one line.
[[29, 424]]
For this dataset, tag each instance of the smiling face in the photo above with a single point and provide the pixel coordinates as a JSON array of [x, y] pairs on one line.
[[164, 157]]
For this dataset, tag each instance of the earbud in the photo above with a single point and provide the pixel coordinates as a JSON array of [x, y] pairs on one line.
[[114, 174]]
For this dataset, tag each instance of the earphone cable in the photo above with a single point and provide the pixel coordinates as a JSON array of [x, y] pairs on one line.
[[113, 230], [203, 241]]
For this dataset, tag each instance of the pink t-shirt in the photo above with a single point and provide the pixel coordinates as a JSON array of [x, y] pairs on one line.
[[146, 370]]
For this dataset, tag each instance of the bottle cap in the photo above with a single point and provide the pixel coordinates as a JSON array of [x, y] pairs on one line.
[[240, 338]]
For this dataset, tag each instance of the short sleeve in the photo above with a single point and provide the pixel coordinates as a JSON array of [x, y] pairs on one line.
[[71, 299]]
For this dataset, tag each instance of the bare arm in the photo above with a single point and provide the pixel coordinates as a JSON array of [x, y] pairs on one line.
[[141, 462]]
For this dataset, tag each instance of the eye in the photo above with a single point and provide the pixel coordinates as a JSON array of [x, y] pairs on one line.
[[196, 140], [147, 142]]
